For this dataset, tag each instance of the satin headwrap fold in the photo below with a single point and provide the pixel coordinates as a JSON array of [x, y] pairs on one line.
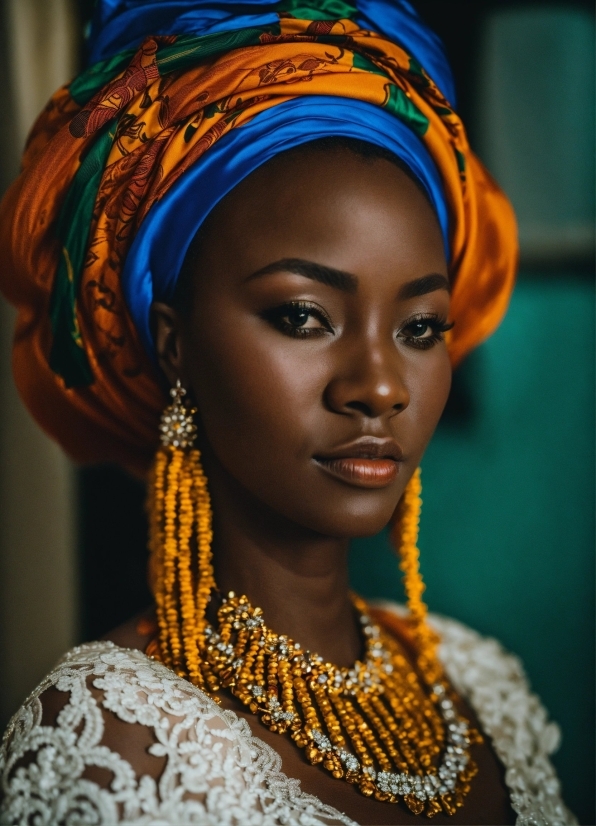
[[181, 101]]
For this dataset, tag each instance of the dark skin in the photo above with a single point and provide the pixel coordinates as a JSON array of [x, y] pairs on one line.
[[292, 366]]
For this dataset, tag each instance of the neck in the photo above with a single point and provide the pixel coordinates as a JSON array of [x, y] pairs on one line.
[[297, 577]]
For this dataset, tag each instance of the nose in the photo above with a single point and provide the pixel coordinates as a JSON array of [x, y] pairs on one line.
[[368, 382]]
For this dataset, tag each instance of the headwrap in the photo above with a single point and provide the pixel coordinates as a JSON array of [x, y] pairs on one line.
[[181, 101]]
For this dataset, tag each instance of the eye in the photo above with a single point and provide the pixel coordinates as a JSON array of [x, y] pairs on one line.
[[420, 329], [300, 319], [424, 332]]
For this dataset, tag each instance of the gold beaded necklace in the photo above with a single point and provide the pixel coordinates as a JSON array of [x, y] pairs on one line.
[[372, 725], [391, 730]]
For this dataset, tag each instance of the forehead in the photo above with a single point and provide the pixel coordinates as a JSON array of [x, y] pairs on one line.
[[357, 214]]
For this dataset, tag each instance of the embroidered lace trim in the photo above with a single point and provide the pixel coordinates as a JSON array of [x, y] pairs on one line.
[[215, 771]]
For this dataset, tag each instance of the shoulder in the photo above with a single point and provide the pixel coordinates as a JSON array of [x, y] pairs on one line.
[[97, 734], [112, 736], [494, 682]]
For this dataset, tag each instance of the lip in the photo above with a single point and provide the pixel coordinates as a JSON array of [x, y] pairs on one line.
[[365, 463]]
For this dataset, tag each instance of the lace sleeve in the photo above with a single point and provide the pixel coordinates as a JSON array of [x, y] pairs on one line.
[[111, 737], [76, 769]]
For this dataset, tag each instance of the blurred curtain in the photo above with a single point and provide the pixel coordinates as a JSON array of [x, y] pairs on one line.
[[38, 610]]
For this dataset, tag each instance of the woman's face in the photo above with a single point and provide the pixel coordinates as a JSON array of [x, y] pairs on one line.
[[313, 342]]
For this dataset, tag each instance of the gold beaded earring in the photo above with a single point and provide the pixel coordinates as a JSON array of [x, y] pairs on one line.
[[180, 532], [404, 536]]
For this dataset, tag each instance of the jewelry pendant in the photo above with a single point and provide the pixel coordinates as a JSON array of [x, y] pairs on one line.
[[177, 427]]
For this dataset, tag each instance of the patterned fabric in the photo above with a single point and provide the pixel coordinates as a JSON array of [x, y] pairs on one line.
[[85, 230], [216, 772]]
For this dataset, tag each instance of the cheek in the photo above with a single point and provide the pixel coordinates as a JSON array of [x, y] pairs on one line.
[[257, 393], [428, 379]]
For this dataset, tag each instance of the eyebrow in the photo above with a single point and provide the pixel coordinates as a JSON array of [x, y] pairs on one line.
[[424, 285], [347, 282], [316, 272]]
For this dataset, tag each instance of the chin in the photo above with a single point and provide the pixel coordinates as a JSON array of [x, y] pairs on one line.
[[365, 528], [350, 522]]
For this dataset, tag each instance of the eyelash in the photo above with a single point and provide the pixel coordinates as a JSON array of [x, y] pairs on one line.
[[438, 325], [276, 317]]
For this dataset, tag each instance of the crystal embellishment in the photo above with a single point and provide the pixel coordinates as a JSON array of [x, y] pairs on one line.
[[177, 427]]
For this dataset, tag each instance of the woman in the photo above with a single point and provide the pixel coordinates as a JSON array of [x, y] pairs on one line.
[[272, 211]]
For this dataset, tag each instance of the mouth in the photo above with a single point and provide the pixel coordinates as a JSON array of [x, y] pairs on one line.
[[366, 463]]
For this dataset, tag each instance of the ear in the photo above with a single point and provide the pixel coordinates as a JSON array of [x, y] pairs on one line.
[[167, 329]]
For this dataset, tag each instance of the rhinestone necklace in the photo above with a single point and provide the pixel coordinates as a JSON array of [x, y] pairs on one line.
[[375, 725]]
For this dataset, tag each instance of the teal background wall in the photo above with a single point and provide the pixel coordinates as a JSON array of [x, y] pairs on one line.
[[507, 532]]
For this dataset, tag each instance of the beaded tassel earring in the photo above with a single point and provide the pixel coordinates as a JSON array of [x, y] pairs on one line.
[[404, 536], [180, 534]]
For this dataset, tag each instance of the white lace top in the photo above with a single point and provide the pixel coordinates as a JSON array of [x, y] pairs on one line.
[[216, 773]]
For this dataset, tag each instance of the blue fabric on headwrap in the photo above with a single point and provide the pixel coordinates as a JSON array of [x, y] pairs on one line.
[[155, 258], [123, 24]]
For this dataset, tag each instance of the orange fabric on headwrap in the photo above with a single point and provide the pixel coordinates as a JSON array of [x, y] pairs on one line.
[[114, 142]]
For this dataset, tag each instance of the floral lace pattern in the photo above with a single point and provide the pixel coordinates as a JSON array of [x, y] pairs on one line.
[[215, 771]]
